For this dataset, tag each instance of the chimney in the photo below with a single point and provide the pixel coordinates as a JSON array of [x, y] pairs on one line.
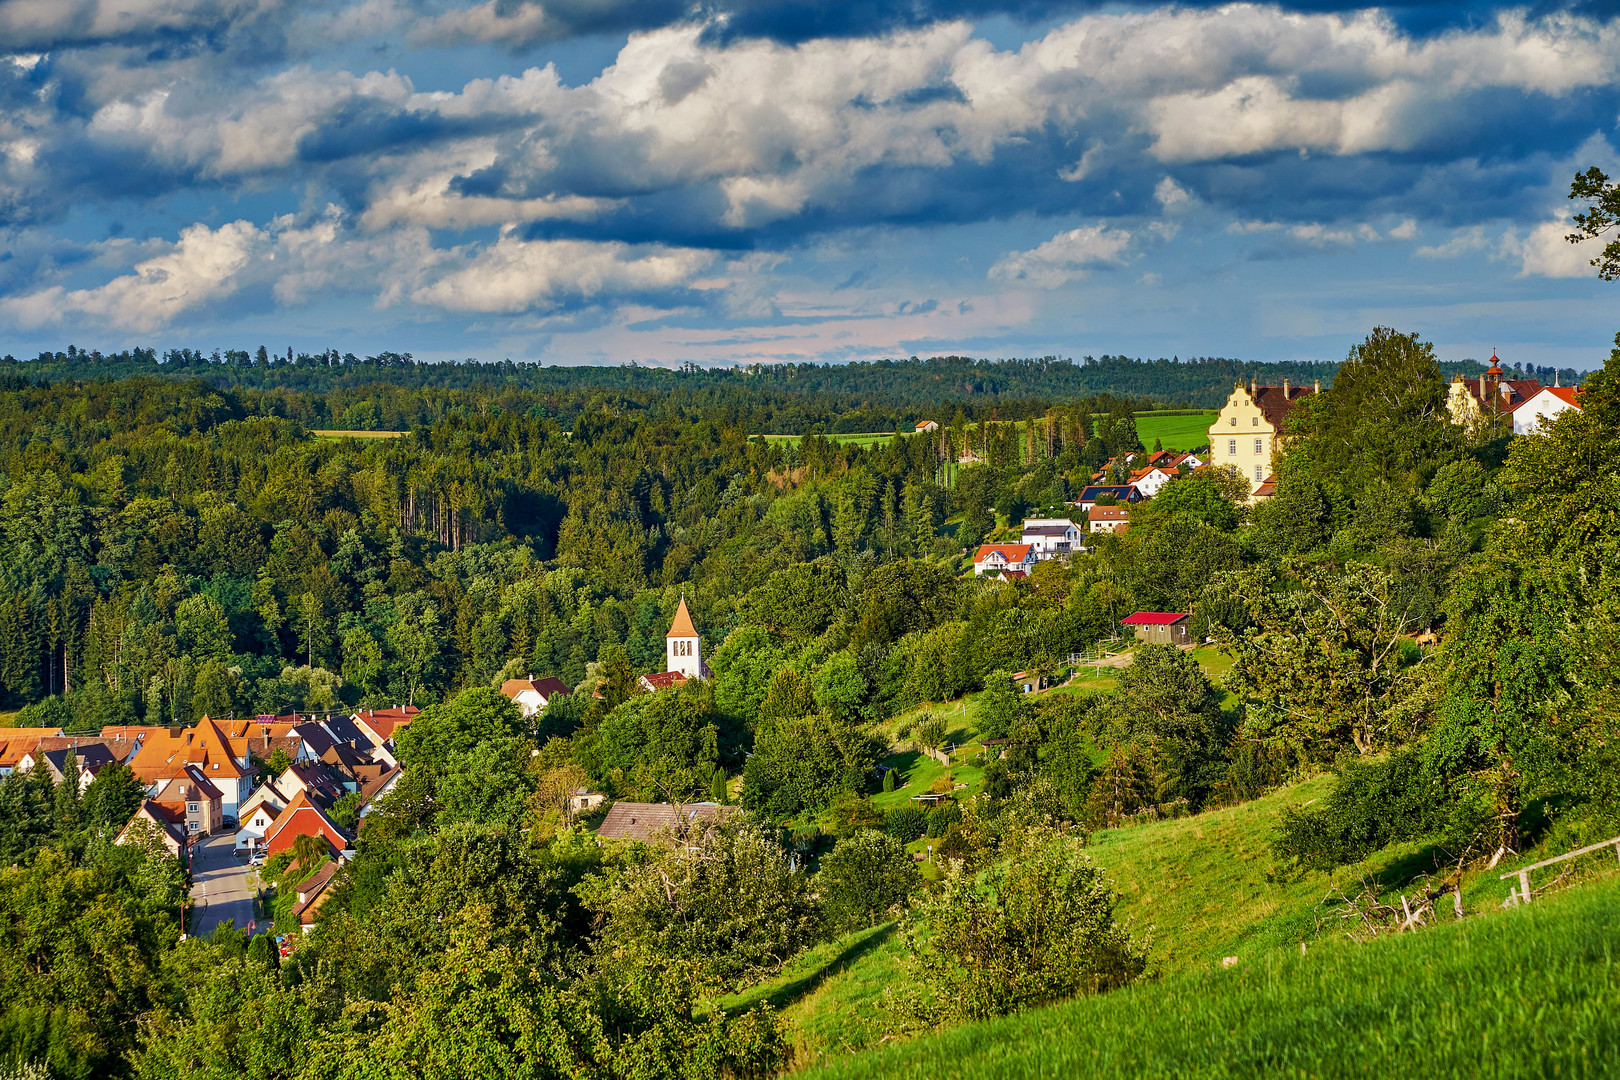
[[1316, 387], [1484, 395], [1251, 388], [1285, 389]]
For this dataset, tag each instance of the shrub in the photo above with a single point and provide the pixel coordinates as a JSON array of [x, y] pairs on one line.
[[1373, 804], [1036, 926], [905, 823], [942, 817], [866, 876], [888, 779]]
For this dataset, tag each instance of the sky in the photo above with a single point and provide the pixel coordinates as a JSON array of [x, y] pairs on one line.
[[746, 181]]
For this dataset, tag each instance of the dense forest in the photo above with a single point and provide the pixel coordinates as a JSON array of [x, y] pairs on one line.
[[391, 391], [180, 547]]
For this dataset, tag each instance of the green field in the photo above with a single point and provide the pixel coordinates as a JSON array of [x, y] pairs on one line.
[[1528, 992], [866, 438], [1178, 432]]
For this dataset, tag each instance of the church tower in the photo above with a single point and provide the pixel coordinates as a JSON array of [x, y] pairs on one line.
[[683, 649]]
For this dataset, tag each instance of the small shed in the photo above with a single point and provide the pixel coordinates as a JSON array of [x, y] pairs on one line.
[[1161, 627], [1029, 682]]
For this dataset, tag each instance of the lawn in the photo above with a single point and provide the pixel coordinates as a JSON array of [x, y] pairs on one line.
[[1527, 992], [1177, 431], [864, 438]]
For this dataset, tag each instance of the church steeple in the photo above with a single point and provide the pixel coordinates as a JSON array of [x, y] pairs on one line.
[[683, 648]]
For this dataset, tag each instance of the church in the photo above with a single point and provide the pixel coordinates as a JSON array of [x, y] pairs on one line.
[[683, 654]]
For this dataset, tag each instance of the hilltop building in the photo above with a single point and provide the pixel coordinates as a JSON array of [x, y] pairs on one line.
[[1249, 428]]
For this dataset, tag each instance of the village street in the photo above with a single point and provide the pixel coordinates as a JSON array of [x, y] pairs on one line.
[[221, 886]]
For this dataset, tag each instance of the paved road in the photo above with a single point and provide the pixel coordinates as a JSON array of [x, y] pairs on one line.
[[221, 888]]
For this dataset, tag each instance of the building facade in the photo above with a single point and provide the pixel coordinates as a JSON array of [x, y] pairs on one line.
[[1248, 430]]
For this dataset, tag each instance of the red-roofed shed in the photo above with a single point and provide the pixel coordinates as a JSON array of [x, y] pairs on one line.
[[1161, 627]]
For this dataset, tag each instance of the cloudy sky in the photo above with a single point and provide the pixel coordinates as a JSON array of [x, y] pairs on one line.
[[752, 180]]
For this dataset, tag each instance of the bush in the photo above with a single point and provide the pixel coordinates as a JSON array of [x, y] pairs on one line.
[[865, 877], [1037, 926], [1373, 804], [941, 818], [905, 824]]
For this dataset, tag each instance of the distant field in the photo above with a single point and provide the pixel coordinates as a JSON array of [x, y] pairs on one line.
[[334, 433], [865, 438], [1178, 432]]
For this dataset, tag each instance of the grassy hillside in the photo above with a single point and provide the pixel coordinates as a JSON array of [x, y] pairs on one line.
[[1202, 888], [1523, 993]]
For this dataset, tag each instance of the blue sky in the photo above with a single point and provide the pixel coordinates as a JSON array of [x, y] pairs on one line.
[[740, 181]]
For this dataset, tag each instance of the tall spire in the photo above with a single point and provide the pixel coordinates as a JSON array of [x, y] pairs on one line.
[[681, 625]]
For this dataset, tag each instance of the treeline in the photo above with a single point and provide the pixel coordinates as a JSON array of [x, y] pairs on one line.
[[789, 399]]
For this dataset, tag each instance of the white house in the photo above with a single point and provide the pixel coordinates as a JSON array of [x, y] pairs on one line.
[[995, 558], [374, 791], [1542, 406], [1109, 519], [1149, 480], [1050, 536], [926, 425], [532, 695], [257, 814]]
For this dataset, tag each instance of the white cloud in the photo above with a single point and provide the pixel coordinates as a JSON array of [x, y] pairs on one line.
[[206, 264], [1545, 252], [1064, 258], [1462, 242], [539, 275], [48, 23]]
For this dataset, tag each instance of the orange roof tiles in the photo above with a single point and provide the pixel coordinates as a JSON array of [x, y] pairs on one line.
[[681, 624]]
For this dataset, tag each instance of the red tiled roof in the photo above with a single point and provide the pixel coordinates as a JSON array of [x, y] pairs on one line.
[[1154, 618], [1010, 552], [1109, 513], [548, 687], [1275, 405], [1567, 394], [663, 680]]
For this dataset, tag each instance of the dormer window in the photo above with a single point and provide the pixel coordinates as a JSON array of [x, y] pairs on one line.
[[1256, 421]]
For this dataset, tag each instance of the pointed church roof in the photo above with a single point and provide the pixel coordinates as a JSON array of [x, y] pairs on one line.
[[681, 624]]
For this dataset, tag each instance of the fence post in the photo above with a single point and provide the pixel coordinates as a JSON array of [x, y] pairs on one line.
[[1524, 886]]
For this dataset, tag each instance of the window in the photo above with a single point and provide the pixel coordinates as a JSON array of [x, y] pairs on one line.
[[191, 808], [1257, 446], [1234, 421], [1259, 472], [1231, 447], [1254, 421], [196, 826]]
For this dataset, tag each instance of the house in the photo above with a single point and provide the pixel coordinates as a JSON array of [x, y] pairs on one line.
[[1011, 576], [373, 792], [994, 558], [1050, 536], [193, 799], [683, 653], [926, 425], [380, 725], [656, 821], [1030, 683], [303, 818], [1120, 493], [1249, 429], [1119, 462], [166, 754], [1542, 406], [89, 758], [323, 784], [533, 695], [1473, 403], [170, 830], [584, 801], [258, 813], [1161, 627], [1172, 460], [1149, 480], [1109, 519], [310, 894], [15, 742]]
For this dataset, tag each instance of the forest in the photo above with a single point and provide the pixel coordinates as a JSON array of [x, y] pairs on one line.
[[173, 547]]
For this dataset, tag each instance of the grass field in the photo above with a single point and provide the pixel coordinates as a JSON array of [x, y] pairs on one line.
[[337, 433], [866, 438], [1528, 992], [1177, 432]]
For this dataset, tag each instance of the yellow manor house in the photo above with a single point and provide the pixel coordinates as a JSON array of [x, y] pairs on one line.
[[1245, 434]]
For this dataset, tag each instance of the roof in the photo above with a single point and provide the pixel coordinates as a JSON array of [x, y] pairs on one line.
[[370, 788], [300, 807], [681, 624], [1119, 491], [1569, 395], [93, 757], [190, 786], [647, 821], [1110, 513], [548, 687], [1266, 490], [1046, 530], [1275, 403], [663, 680], [164, 817], [385, 722], [1014, 575], [1010, 552], [1154, 618]]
